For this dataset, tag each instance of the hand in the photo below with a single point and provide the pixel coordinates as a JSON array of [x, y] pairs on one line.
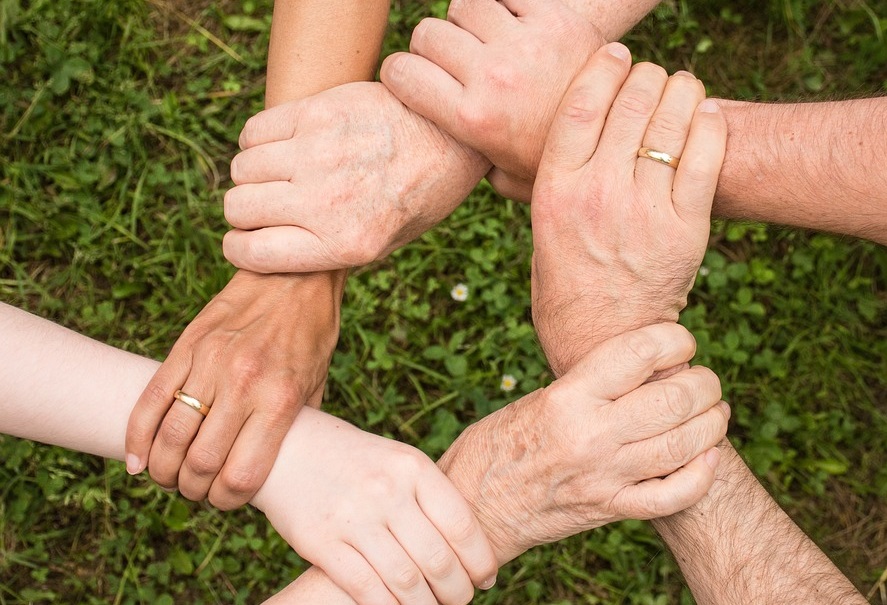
[[596, 446], [339, 180], [492, 76], [376, 515], [255, 354], [617, 238]]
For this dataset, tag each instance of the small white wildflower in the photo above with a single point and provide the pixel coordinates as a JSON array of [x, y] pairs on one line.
[[459, 292], [703, 271], [508, 383]]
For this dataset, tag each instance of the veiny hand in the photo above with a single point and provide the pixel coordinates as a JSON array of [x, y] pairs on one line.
[[596, 446], [376, 515], [492, 76], [255, 354], [618, 238], [339, 180]]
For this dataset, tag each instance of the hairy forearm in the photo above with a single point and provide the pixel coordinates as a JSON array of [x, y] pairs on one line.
[[737, 546], [807, 165]]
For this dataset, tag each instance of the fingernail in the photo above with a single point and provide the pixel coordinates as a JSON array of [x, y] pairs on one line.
[[133, 464], [684, 73], [725, 407], [488, 583], [712, 457], [168, 490], [709, 106], [620, 51]]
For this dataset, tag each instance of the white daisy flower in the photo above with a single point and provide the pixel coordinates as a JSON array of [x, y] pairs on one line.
[[508, 383], [459, 292]]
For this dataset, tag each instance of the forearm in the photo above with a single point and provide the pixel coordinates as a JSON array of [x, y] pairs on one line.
[[318, 44], [62, 388], [807, 165], [737, 546], [613, 19]]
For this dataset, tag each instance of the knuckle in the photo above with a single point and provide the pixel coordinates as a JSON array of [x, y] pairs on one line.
[[677, 446], [473, 117], [245, 367], [441, 563], [364, 584], [463, 528], [203, 462], [669, 124], [635, 103], [674, 399], [642, 346], [175, 432], [240, 480], [580, 107], [407, 579]]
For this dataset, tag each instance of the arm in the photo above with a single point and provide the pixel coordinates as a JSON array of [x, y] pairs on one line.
[[807, 165], [580, 469], [389, 175], [736, 545], [261, 348], [341, 497]]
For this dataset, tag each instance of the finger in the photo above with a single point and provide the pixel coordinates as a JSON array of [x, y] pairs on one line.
[[433, 556], [576, 128], [152, 406], [668, 129], [276, 124], [255, 206], [657, 407], [285, 249], [664, 454], [630, 116], [394, 566], [623, 363], [452, 516], [520, 8], [177, 431], [509, 187], [667, 496], [446, 45], [697, 176], [253, 453], [211, 446], [425, 88], [351, 572], [486, 19], [262, 163]]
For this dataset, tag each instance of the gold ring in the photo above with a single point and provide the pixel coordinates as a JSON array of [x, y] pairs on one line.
[[191, 402], [659, 156]]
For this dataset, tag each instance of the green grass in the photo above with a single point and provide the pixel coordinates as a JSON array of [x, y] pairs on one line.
[[118, 120]]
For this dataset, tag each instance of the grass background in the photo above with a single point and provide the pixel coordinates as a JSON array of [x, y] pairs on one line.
[[118, 121]]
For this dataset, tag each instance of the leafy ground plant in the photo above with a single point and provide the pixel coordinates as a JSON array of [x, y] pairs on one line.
[[118, 121]]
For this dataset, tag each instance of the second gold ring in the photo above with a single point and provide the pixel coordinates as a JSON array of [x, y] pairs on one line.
[[192, 402], [659, 156]]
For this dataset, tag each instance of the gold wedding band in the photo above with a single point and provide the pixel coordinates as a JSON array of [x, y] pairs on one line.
[[659, 156], [191, 402]]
